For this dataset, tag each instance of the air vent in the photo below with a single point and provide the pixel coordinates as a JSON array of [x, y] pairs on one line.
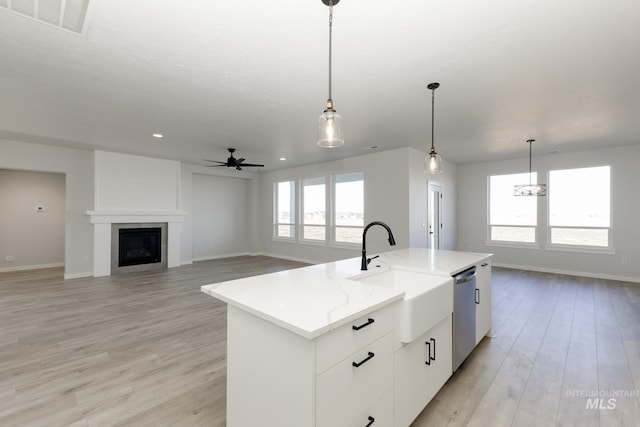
[[69, 15]]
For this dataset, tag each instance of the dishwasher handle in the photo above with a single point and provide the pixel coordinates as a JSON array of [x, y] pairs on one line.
[[465, 276]]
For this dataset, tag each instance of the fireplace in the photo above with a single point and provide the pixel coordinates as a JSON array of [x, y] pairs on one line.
[[139, 246]]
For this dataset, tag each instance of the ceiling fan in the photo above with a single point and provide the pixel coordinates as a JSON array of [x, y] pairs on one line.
[[232, 162]]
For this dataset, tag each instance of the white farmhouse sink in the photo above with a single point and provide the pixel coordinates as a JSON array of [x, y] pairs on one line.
[[427, 299]]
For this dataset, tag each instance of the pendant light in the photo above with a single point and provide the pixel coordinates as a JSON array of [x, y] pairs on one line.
[[330, 123], [432, 162], [530, 189]]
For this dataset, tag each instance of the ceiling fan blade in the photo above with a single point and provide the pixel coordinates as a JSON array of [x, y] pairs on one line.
[[224, 165], [215, 161], [252, 165]]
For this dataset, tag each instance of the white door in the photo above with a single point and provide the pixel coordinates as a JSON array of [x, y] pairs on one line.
[[434, 213]]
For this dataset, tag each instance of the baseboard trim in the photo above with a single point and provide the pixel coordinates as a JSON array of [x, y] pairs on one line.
[[207, 258], [570, 272], [289, 258], [68, 276], [32, 267]]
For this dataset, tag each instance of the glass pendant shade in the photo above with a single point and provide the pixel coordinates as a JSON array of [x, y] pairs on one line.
[[433, 163], [530, 190], [330, 129]]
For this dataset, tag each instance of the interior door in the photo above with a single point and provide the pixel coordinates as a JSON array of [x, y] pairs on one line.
[[434, 213]]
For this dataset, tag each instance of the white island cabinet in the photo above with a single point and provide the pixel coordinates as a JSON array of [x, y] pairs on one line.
[[319, 346], [278, 378]]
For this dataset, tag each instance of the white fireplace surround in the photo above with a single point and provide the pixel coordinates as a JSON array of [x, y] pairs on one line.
[[102, 221]]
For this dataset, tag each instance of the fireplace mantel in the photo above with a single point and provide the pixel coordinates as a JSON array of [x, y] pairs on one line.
[[110, 217], [102, 221]]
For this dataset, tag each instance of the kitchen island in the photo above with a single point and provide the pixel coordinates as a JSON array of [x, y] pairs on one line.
[[330, 345]]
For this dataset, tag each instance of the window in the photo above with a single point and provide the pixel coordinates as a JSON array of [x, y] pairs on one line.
[[349, 208], [580, 207], [285, 209], [314, 209], [512, 219]]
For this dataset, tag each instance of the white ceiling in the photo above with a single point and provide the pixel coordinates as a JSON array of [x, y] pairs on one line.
[[252, 74]]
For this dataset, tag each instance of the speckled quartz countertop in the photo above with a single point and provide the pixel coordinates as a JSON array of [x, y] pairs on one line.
[[312, 300]]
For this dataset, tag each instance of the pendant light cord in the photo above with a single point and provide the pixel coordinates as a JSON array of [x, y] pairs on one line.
[[530, 164], [433, 96], [330, 31]]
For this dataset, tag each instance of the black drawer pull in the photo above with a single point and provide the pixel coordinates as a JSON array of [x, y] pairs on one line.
[[371, 421], [484, 264], [358, 364], [477, 296], [433, 340], [368, 322], [428, 361]]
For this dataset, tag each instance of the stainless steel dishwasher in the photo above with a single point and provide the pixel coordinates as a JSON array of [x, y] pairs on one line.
[[464, 315]]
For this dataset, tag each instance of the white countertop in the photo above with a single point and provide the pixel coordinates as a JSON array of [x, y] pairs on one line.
[[440, 262], [312, 300]]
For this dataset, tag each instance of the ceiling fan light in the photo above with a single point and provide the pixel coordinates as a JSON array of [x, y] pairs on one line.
[[330, 129]]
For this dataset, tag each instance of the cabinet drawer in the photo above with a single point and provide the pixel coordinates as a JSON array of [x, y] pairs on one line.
[[344, 392], [335, 345], [379, 415]]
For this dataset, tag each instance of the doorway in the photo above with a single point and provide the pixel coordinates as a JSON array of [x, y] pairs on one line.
[[434, 215]]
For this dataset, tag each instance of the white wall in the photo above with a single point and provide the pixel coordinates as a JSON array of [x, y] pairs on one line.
[[625, 177], [220, 216], [192, 233], [30, 237], [395, 193], [77, 166], [135, 183]]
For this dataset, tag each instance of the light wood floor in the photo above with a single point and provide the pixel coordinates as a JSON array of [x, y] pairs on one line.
[[148, 349]]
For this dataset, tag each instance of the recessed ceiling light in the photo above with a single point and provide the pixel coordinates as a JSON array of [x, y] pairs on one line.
[[283, 158], [157, 135]]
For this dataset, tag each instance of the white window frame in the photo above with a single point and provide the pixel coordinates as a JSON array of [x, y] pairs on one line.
[[298, 208], [293, 210], [508, 243], [301, 225], [609, 249], [333, 213]]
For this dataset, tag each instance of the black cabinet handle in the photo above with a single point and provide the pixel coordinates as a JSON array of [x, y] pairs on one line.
[[484, 264], [358, 364], [371, 421], [477, 296], [367, 323], [434, 349], [428, 361]]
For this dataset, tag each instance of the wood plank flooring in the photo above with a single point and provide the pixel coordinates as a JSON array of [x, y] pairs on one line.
[[141, 349], [149, 349], [556, 341]]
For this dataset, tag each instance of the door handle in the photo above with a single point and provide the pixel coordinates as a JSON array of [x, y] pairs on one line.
[[477, 296], [433, 340], [428, 361]]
